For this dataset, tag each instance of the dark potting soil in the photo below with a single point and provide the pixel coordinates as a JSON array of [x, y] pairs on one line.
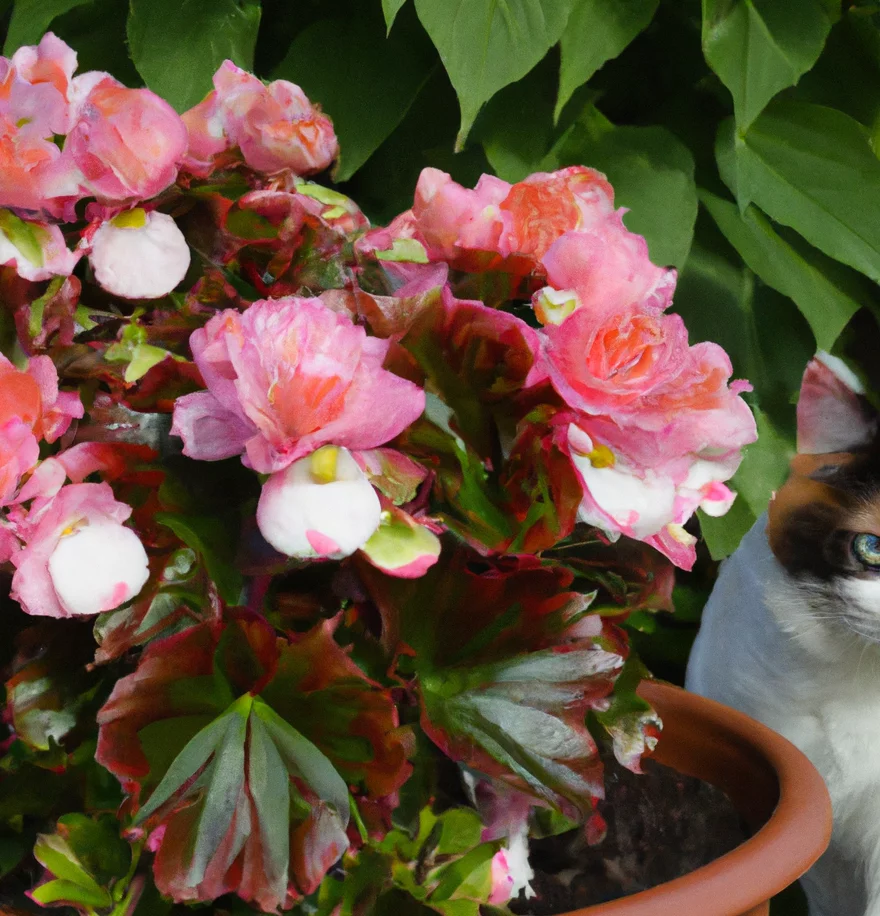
[[661, 825]]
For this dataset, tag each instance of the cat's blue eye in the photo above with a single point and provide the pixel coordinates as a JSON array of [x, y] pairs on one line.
[[866, 549]]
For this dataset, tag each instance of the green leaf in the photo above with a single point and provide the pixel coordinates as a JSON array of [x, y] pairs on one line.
[[349, 67], [25, 236], [825, 294], [722, 535], [177, 45], [86, 862], [305, 760], [597, 31], [211, 537], [31, 18], [225, 787], [186, 764], [390, 9], [760, 47], [652, 172], [513, 152], [813, 169], [486, 44]]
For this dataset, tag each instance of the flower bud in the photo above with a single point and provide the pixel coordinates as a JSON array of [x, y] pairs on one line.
[[320, 506], [97, 567]]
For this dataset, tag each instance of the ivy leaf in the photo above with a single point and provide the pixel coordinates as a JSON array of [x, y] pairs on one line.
[[390, 9], [364, 72], [242, 746], [597, 31], [827, 295], [508, 662], [177, 45], [31, 18], [485, 45], [760, 47], [812, 168]]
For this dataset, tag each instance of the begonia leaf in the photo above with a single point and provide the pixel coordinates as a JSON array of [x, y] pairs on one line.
[[485, 45], [50, 690], [508, 662], [177, 45], [214, 539], [241, 747], [85, 860], [401, 546]]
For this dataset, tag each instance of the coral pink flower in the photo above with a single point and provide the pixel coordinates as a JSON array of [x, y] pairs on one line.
[[127, 143], [286, 377], [34, 108], [78, 557], [604, 363], [32, 396], [499, 226], [608, 268], [275, 127]]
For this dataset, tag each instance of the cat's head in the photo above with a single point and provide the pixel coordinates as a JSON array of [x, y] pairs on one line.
[[824, 523]]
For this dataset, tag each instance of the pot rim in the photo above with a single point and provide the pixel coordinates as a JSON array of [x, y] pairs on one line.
[[777, 854]]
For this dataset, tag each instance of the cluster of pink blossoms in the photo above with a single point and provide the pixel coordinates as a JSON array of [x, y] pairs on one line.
[[66, 138], [652, 425]]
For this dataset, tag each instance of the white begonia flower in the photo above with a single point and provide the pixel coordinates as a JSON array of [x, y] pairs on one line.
[[644, 503], [139, 255], [96, 568], [520, 869], [321, 506]]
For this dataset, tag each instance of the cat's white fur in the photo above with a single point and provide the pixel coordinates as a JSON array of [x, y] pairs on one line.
[[773, 647]]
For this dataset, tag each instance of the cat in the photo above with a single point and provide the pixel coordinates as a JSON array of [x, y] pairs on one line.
[[791, 632]]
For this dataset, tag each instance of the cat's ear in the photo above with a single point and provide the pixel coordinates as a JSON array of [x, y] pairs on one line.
[[832, 413]]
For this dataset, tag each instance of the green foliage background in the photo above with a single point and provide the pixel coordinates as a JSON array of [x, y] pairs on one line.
[[742, 135]]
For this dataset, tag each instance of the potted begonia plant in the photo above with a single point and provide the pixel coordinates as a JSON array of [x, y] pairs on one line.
[[317, 536]]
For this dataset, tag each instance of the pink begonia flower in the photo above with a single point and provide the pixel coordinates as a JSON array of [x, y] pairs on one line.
[[78, 557], [275, 127], [34, 108], [286, 377], [511, 870], [32, 397], [498, 226], [139, 255], [126, 143], [606, 363], [37, 251], [608, 268], [19, 452], [320, 506]]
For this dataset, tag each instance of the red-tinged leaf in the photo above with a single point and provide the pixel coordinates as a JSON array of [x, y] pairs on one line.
[[239, 747], [50, 692], [508, 662], [49, 321], [542, 486]]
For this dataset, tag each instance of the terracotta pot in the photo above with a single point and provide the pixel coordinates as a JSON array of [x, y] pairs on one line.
[[770, 782]]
